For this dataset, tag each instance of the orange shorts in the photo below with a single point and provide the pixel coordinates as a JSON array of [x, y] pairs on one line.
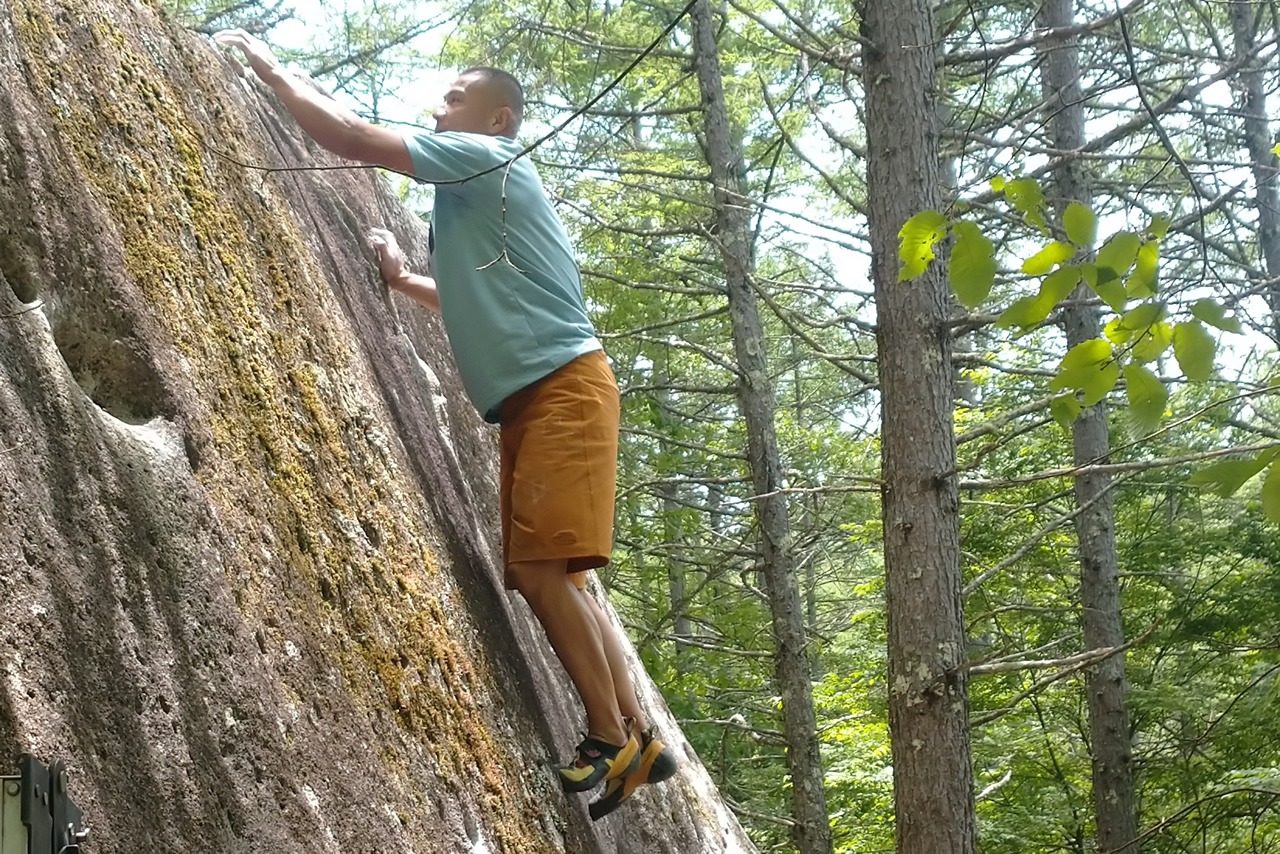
[[558, 464]]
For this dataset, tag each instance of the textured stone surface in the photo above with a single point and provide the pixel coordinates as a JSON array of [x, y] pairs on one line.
[[248, 587]]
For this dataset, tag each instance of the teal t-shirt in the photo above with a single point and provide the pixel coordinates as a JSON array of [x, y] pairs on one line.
[[511, 318]]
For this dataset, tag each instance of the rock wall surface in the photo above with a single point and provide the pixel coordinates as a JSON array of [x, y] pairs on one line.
[[248, 585]]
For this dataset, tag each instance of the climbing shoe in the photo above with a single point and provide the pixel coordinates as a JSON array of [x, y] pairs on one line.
[[657, 763], [599, 761]]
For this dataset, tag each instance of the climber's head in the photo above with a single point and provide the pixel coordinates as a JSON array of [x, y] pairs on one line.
[[482, 100]]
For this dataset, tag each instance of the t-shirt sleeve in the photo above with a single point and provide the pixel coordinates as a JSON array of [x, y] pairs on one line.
[[450, 156]]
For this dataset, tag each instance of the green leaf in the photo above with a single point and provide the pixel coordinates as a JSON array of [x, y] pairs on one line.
[[1275, 149], [1028, 199], [1025, 312], [1043, 261], [918, 236], [1059, 284], [1028, 311], [1065, 408], [1271, 494], [997, 183], [1147, 397], [973, 265], [1214, 314], [1116, 332], [1159, 226], [1194, 348], [1107, 286], [1117, 255], [1225, 478], [1146, 268], [1140, 317], [1090, 367], [1152, 342], [1081, 225]]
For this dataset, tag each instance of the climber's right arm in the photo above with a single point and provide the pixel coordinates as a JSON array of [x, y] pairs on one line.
[[324, 119]]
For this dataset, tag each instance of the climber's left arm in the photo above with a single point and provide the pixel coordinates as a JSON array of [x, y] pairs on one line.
[[324, 119]]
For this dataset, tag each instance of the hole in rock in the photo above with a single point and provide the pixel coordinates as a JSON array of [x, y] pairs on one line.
[[15, 267], [110, 367]]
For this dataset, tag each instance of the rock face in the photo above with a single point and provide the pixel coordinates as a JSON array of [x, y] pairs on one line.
[[248, 585]]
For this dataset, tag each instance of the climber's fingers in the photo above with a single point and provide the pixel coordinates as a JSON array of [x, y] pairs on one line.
[[255, 51], [391, 259]]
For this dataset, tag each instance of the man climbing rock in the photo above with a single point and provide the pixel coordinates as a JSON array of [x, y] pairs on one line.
[[508, 289]]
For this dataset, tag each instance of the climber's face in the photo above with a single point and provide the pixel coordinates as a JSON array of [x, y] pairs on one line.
[[472, 106]]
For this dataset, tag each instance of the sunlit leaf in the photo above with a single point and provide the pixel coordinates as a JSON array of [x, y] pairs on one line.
[[972, 267], [1118, 254], [1147, 397], [1108, 287], [1028, 199], [1116, 332], [997, 183], [1271, 494], [1025, 312], [918, 236], [1214, 314], [1140, 317], [1065, 408], [1059, 284], [1044, 260], [1142, 282], [1225, 478], [1194, 348], [1081, 224], [1152, 342], [1090, 367], [1159, 226]]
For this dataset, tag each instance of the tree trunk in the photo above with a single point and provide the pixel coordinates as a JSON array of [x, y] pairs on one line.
[[812, 832], [928, 697], [1257, 136], [1113, 794], [674, 537]]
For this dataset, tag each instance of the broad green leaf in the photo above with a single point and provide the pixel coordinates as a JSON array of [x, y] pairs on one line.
[[1159, 226], [1090, 367], [1044, 260], [1118, 254], [1152, 342], [1225, 478], [1194, 348], [1025, 312], [1140, 317], [1065, 408], [1143, 281], [1275, 149], [1214, 314], [1116, 332], [1028, 311], [918, 236], [1081, 225], [1271, 494], [997, 183], [1106, 285], [1147, 397], [973, 265], [1059, 284], [1028, 199], [1097, 385]]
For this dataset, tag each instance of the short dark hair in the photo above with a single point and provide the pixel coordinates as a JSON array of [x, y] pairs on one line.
[[507, 85]]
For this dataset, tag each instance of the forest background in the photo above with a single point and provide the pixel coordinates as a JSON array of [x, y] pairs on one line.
[[947, 338]]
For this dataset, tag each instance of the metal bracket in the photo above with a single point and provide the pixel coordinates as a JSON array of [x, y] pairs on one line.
[[37, 815]]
